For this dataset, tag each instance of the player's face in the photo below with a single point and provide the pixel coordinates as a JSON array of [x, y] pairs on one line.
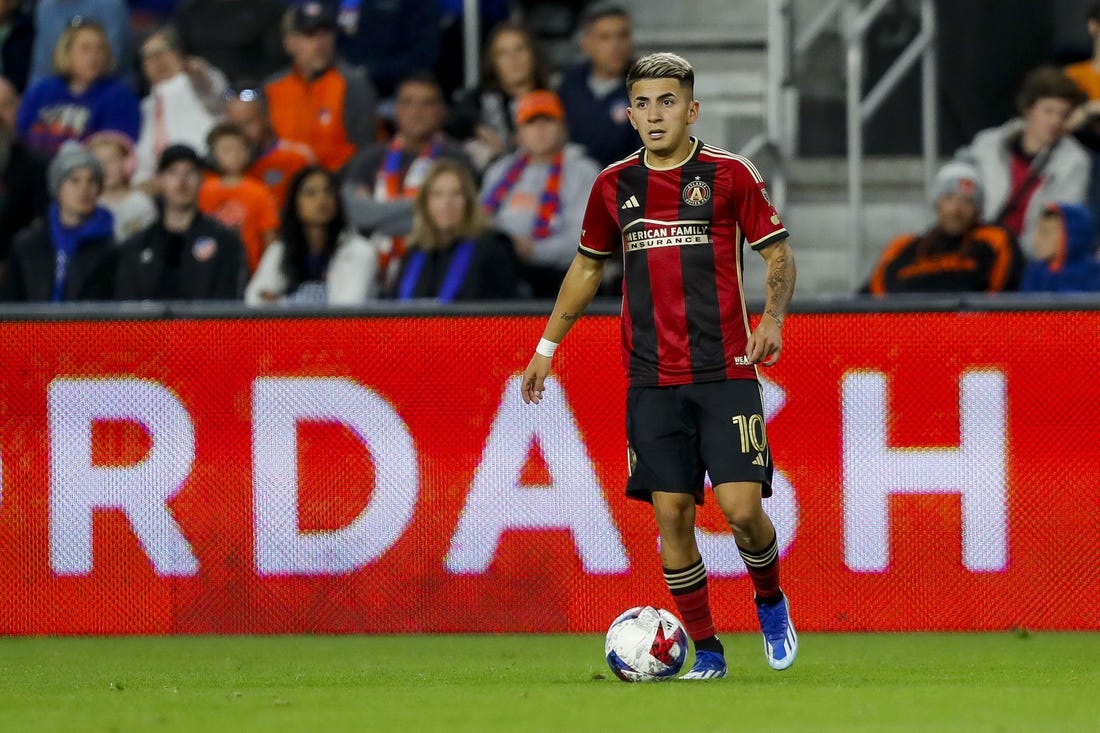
[[661, 111]]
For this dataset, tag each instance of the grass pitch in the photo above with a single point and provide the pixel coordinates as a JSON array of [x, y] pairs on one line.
[[873, 683]]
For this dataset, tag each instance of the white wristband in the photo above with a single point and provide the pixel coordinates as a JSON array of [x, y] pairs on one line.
[[546, 348]]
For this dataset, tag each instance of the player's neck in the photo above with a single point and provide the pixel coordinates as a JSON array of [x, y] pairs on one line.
[[680, 155]]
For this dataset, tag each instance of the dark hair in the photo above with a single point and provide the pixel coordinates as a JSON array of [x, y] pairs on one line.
[[224, 129], [293, 234], [427, 78], [540, 71], [1093, 12], [1048, 81], [600, 10]]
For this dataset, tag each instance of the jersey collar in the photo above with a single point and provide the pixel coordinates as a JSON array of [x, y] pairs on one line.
[[690, 155]]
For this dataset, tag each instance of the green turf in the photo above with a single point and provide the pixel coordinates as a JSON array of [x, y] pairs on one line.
[[877, 683]]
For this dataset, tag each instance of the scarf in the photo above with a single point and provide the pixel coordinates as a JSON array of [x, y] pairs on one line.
[[549, 201], [390, 185], [461, 259], [100, 225]]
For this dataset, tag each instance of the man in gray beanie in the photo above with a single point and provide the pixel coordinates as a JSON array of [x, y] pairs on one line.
[[71, 254], [959, 253]]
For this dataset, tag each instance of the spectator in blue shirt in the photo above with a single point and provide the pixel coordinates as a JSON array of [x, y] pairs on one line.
[[594, 91], [82, 96], [1065, 249]]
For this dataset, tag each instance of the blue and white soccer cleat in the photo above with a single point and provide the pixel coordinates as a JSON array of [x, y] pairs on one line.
[[708, 666], [780, 639]]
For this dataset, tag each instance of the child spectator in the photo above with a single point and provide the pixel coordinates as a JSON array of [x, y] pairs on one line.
[[81, 97], [453, 254], [1029, 162], [318, 257], [537, 195], [133, 209], [236, 201], [1065, 252], [958, 254], [71, 255]]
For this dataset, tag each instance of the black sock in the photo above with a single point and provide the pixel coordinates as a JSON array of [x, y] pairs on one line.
[[709, 644]]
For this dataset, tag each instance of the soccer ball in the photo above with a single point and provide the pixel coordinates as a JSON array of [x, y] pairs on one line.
[[646, 644]]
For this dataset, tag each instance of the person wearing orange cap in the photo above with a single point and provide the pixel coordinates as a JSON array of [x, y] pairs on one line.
[[537, 194]]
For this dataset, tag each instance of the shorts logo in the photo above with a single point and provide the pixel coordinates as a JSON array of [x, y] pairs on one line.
[[631, 461], [696, 193]]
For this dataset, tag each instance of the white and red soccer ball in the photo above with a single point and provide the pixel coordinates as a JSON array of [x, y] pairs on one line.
[[646, 644]]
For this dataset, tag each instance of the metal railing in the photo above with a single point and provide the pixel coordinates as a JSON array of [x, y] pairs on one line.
[[788, 46], [857, 20]]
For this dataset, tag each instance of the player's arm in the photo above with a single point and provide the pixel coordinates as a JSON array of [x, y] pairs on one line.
[[766, 341], [579, 287]]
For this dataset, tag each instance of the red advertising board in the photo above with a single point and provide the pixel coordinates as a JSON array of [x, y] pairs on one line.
[[934, 471]]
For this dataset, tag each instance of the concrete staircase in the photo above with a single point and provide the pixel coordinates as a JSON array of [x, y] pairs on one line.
[[725, 42]]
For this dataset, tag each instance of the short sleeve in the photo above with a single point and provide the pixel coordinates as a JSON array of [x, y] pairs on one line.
[[600, 233], [757, 217]]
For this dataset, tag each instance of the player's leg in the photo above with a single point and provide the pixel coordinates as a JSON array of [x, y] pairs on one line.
[[734, 446], [666, 470], [756, 541], [686, 577]]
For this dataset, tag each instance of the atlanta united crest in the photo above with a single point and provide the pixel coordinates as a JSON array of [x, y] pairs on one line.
[[696, 193]]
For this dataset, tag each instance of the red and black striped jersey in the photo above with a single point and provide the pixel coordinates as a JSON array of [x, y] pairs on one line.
[[682, 232]]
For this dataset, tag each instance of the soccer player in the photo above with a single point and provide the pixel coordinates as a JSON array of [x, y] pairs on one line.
[[681, 211]]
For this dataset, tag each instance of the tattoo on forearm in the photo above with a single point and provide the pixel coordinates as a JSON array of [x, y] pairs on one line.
[[780, 286], [570, 316]]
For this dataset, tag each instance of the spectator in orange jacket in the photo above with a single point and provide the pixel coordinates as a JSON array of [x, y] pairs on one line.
[[320, 101], [238, 202], [959, 253]]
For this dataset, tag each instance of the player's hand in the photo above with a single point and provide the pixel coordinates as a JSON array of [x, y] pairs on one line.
[[765, 342], [534, 377]]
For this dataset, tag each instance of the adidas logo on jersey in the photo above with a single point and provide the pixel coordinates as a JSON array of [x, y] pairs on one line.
[[631, 203]]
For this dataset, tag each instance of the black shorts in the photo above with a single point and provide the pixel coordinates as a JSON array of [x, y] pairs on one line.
[[675, 434]]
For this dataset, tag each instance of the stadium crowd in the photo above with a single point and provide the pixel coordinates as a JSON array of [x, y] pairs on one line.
[[277, 151]]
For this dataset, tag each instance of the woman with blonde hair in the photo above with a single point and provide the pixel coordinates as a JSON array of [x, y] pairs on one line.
[[82, 96], [452, 253]]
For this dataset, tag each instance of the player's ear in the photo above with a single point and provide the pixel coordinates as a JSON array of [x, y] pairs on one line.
[[630, 116], [693, 111]]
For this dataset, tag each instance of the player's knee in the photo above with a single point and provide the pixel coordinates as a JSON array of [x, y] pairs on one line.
[[743, 517]]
